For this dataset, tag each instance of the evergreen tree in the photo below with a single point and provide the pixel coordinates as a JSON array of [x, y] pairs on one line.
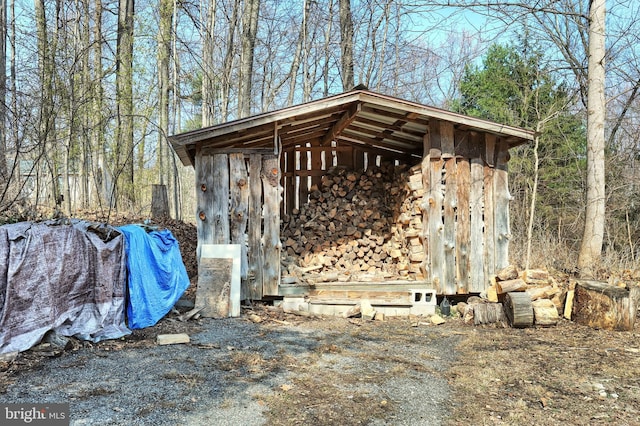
[[513, 86]]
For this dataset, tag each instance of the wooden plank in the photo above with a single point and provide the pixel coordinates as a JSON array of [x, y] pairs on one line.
[[463, 231], [316, 166], [425, 206], [172, 339], [239, 191], [359, 294], [254, 234], [290, 182], [303, 182], [345, 156], [436, 225], [435, 149], [358, 159], [213, 294], [489, 212], [447, 140], [271, 237], [502, 197], [204, 200], [220, 219], [477, 228], [401, 301], [449, 273]]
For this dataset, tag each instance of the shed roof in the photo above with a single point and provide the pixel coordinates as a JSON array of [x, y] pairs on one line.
[[360, 117]]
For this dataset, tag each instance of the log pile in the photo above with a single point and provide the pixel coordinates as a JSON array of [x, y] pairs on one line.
[[356, 224], [522, 299], [532, 296]]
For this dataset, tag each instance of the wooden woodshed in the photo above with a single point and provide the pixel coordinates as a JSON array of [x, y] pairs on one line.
[[251, 171]]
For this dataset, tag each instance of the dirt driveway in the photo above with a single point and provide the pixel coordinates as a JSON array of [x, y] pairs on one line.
[[288, 370], [285, 370]]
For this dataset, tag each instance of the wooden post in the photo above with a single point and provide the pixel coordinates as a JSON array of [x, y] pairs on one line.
[[304, 179], [449, 234], [220, 219], [502, 198], [463, 176], [436, 225], [254, 254], [489, 212], [271, 238], [239, 190], [478, 282], [425, 206], [204, 199]]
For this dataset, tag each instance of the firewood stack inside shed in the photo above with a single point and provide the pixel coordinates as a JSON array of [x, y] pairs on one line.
[[357, 226]]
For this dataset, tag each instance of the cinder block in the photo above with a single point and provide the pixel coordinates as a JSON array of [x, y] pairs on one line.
[[294, 304], [423, 296]]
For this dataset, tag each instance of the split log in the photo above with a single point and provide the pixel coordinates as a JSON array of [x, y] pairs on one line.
[[546, 292], [518, 309], [535, 276], [503, 287], [545, 312], [508, 273], [603, 306], [568, 304]]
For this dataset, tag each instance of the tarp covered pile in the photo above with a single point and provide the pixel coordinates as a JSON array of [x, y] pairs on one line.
[[72, 279]]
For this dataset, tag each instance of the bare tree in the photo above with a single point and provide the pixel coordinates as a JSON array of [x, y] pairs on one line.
[[124, 102], [208, 64], [248, 40], [346, 44], [593, 235], [3, 90], [164, 55]]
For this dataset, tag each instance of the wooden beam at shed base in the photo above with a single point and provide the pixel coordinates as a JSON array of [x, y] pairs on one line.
[[603, 306]]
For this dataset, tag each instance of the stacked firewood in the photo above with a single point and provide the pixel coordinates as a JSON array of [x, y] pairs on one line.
[[351, 223], [407, 230]]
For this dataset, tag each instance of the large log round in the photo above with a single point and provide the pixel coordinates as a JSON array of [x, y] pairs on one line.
[[518, 309]]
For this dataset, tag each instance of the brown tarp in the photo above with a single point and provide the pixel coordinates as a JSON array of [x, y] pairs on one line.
[[69, 278]]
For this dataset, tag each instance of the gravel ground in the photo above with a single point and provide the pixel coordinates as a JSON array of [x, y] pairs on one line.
[[236, 372]]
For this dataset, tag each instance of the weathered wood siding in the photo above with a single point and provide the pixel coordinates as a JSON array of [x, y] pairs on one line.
[[238, 202], [467, 209]]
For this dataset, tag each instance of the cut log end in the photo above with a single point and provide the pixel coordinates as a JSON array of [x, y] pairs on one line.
[[518, 309]]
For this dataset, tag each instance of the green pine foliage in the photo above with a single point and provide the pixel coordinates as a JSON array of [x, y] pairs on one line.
[[513, 86]]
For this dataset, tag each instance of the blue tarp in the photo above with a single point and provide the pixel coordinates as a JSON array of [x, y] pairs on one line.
[[156, 274]]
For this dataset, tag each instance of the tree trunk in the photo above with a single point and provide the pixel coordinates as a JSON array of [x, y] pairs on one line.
[[603, 306], [346, 45], [208, 67], [297, 57], [249, 33], [98, 144], [164, 54], [124, 102], [228, 63], [593, 235], [3, 90]]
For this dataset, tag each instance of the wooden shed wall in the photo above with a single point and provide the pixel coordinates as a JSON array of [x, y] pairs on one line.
[[238, 202], [465, 209]]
